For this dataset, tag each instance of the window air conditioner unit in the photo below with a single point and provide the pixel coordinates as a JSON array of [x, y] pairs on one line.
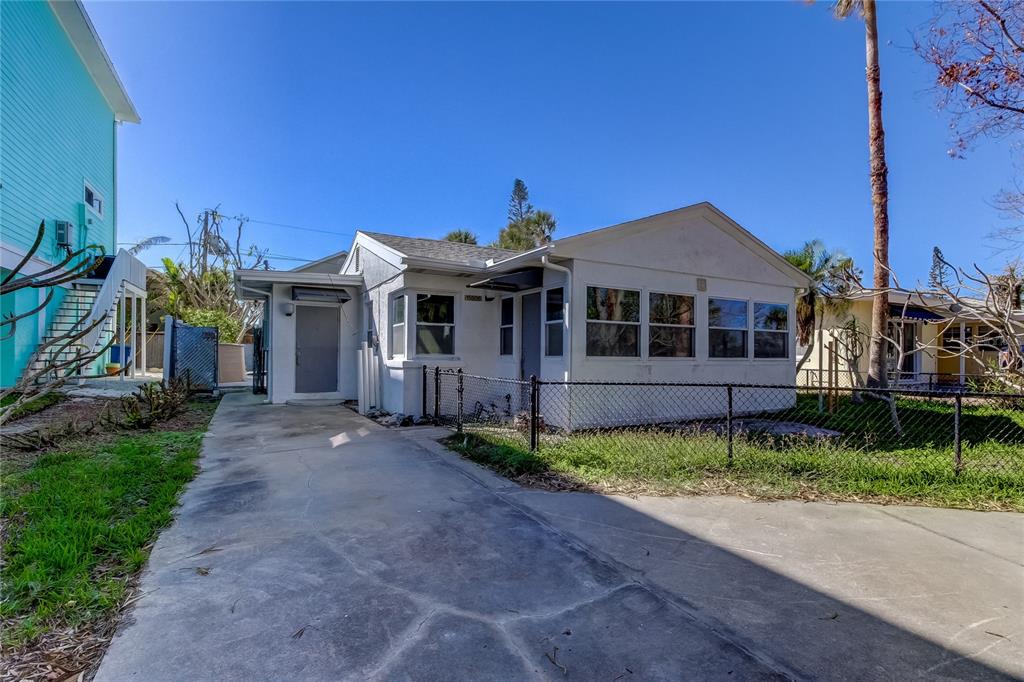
[[63, 233]]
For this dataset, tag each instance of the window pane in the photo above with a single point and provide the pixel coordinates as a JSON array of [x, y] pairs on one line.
[[398, 310], [506, 341], [727, 343], [507, 310], [770, 316], [617, 305], [616, 340], [435, 340], [398, 339], [435, 309], [553, 339], [671, 309], [770, 344], [555, 311], [725, 313], [671, 342]]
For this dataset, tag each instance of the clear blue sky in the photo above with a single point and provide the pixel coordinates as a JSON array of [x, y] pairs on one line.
[[415, 119]]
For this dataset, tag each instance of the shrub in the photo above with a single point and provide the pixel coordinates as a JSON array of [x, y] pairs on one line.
[[229, 327]]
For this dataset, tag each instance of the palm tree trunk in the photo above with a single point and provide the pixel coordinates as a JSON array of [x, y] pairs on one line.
[[880, 201]]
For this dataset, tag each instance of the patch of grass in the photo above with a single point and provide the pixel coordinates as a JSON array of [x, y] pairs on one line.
[[868, 462], [79, 522], [32, 406]]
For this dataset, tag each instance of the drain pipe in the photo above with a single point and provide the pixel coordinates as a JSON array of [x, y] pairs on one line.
[[546, 262]]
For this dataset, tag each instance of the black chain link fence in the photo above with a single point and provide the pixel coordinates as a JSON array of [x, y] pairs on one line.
[[888, 431]]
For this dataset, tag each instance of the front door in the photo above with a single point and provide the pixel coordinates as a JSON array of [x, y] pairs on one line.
[[316, 348], [529, 357]]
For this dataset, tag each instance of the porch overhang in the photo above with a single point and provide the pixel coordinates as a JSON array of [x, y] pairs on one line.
[[257, 284], [518, 280], [912, 312]]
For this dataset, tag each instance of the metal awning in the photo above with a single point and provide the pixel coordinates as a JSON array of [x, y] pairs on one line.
[[519, 280], [914, 313], [320, 294]]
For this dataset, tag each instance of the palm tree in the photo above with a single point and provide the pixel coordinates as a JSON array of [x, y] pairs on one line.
[[831, 273], [461, 236], [879, 189]]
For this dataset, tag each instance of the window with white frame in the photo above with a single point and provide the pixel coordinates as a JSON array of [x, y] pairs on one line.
[[94, 200], [398, 325], [671, 325], [435, 324], [727, 328], [554, 320], [771, 330], [506, 325], [613, 322]]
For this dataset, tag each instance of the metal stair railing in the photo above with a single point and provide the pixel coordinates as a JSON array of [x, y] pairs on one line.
[[125, 268]]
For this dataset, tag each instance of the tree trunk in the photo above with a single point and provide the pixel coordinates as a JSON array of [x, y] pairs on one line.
[[880, 201]]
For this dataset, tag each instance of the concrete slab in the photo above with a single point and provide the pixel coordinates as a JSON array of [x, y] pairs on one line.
[[317, 545]]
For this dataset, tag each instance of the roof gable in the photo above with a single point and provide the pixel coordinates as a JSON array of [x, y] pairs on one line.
[[440, 249]]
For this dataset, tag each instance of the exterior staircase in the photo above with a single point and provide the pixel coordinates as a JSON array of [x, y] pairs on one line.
[[86, 302]]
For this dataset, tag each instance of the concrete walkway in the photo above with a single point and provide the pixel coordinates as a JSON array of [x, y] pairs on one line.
[[316, 545]]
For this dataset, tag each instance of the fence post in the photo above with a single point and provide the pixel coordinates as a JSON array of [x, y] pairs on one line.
[[728, 421], [533, 412], [437, 394], [423, 398], [458, 423], [957, 411]]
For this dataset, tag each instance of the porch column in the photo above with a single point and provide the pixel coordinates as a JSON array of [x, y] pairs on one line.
[[963, 348], [143, 318], [121, 325]]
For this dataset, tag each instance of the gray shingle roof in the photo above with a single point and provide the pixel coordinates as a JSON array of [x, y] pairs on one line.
[[440, 249]]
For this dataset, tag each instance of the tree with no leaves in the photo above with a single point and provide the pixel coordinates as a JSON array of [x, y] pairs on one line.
[[879, 189], [461, 236]]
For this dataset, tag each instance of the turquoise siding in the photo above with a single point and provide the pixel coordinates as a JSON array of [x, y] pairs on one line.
[[57, 132]]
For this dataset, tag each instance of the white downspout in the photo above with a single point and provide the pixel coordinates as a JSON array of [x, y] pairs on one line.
[[546, 262]]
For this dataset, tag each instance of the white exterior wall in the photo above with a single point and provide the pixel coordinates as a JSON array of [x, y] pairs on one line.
[[282, 348]]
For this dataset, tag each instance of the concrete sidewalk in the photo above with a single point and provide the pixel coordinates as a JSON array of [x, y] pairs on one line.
[[316, 545]]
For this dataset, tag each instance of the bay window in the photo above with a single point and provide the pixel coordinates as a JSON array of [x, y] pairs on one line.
[[554, 318], [435, 324], [505, 326], [613, 322], [727, 328], [671, 326], [771, 330], [398, 325]]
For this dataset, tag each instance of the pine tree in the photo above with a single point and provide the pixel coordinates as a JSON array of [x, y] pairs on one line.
[[938, 276], [519, 206]]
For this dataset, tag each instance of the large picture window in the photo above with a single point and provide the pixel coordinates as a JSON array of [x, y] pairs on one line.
[[554, 319], [727, 328], [613, 322], [671, 326], [435, 324], [398, 325], [505, 328], [771, 330]]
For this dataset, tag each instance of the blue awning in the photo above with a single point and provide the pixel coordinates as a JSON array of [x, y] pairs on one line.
[[914, 313]]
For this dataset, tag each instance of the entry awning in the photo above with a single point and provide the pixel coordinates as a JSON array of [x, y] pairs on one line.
[[914, 313], [527, 278], [320, 294]]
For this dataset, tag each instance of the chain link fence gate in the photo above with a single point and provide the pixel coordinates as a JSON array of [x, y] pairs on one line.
[[192, 352]]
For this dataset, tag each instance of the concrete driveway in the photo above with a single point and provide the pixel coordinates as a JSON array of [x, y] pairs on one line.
[[316, 545]]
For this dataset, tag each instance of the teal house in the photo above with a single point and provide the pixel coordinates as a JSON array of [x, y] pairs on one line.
[[61, 104]]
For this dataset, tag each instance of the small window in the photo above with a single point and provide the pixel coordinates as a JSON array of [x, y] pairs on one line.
[[435, 324], [506, 326], [398, 325], [613, 322], [771, 330], [94, 200], [671, 326], [554, 321], [727, 328]]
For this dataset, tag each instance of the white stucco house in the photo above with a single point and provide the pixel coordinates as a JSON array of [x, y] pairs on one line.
[[682, 296]]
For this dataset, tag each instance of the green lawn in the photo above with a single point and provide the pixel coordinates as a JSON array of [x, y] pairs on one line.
[[79, 522], [869, 461]]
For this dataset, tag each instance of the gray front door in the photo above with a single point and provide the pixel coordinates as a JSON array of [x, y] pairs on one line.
[[529, 362], [316, 349]]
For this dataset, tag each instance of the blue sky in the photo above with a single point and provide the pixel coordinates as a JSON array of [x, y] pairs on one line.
[[415, 119]]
